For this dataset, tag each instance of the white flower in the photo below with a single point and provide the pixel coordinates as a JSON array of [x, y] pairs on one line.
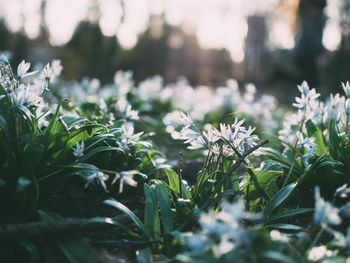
[[325, 212], [347, 107], [47, 71], [131, 114], [335, 107], [78, 151], [343, 191], [56, 69], [211, 137], [198, 243], [276, 235], [197, 143], [26, 95], [150, 88], [128, 178], [128, 135], [189, 135], [185, 120], [22, 68], [346, 88], [100, 177], [317, 253], [124, 82], [225, 246], [308, 144], [307, 99], [227, 134]]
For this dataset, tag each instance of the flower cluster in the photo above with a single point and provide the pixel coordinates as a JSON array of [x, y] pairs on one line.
[[29, 87], [221, 232], [309, 107], [235, 137]]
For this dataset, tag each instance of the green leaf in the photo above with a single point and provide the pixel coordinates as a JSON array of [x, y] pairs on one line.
[[5, 127], [278, 199], [52, 125], [151, 211], [276, 256], [31, 249], [97, 139], [82, 134], [72, 120], [119, 123], [86, 166], [314, 131], [130, 214], [334, 141], [173, 179], [98, 150], [109, 220], [287, 213], [77, 250], [165, 207], [33, 194], [285, 227]]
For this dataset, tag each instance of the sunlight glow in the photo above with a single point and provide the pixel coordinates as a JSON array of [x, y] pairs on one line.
[[217, 24], [281, 35], [111, 13], [31, 14], [331, 36], [332, 32], [62, 17], [12, 14]]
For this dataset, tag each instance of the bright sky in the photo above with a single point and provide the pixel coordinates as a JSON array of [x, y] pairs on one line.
[[216, 23]]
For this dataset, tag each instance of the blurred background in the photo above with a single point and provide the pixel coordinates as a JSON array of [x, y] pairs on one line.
[[274, 44]]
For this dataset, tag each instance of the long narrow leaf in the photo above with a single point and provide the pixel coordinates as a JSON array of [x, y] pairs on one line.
[[151, 211], [98, 150], [165, 207], [122, 208], [278, 199], [173, 179], [288, 213]]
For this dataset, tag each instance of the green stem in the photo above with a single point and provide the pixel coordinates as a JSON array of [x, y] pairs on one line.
[[180, 173], [296, 155], [229, 172], [316, 238], [251, 174]]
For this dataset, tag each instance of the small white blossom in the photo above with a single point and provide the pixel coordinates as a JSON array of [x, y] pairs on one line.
[[211, 136], [128, 136], [185, 120], [343, 191], [98, 176], [128, 178], [197, 143], [189, 135], [346, 88], [131, 114], [325, 213], [317, 253], [124, 82], [26, 95], [22, 69], [78, 151]]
